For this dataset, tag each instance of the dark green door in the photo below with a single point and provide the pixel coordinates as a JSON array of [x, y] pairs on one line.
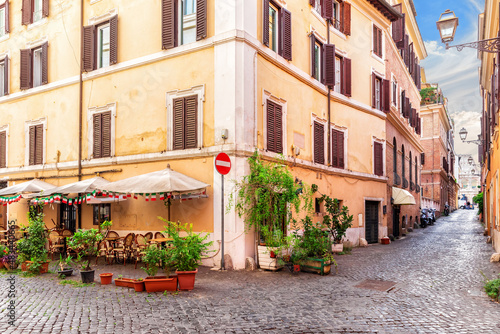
[[371, 221]]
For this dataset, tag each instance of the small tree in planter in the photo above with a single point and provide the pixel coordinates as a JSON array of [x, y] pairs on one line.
[[85, 244], [155, 258], [186, 252], [31, 250], [337, 220], [264, 198]]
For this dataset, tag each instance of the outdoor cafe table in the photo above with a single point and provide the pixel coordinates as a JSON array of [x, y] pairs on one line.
[[113, 240], [161, 241]]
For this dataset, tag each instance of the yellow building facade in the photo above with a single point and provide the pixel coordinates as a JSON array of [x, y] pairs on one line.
[[176, 82]]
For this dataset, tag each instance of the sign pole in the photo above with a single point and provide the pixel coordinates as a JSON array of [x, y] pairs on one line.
[[222, 224]]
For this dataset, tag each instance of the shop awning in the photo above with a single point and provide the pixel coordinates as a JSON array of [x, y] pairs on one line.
[[32, 186], [402, 197], [164, 181]]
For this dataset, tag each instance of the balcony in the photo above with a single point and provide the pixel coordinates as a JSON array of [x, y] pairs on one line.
[[412, 185], [397, 179], [405, 183]]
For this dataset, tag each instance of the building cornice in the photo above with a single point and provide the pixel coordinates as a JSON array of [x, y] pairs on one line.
[[402, 128]]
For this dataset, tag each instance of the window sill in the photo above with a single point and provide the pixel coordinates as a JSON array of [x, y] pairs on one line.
[[374, 56], [37, 23], [94, 1], [4, 37], [338, 33]]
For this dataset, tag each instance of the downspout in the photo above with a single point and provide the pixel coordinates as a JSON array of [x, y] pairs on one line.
[[80, 111], [329, 133]]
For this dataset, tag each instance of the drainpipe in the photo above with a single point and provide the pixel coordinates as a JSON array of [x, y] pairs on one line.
[[80, 112], [329, 133]]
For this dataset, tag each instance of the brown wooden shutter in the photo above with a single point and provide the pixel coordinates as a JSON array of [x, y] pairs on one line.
[[265, 22], [374, 98], [380, 52], [7, 14], [45, 8], [45, 63], [6, 76], [328, 9], [397, 31], [106, 134], [271, 137], [313, 58], [25, 80], [378, 156], [32, 143], [401, 44], [3, 149], [329, 64], [27, 12], [39, 144], [346, 18], [88, 48], [97, 140], [375, 40], [278, 123], [412, 58], [178, 118], [407, 51], [312, 2], [335, 148], [319, 143], [190, 119], [340, 151], [286, 28], [347, 79], [386, 93], [168, 26], [113, 40], [201, 19]]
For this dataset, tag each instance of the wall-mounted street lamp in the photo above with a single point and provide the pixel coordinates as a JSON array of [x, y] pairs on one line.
[[463, 136], [447, 26]]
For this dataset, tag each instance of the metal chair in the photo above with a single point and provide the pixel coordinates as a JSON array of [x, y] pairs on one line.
[[55, 244], [140, 250], [148, 236]]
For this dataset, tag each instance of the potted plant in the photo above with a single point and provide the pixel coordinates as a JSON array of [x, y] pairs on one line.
[[186, 252], [264, 199], [154, 258], [85, 244], [106, 278], [31, 250], [4, 257], [337, 220], [125, 282], [65, 266]]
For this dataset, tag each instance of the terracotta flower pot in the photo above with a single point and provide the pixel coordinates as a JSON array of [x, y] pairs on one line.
[[186, 279], [106, 278], [160, 283], [296, 268], [385, 241], [125, 282], [138, 286]]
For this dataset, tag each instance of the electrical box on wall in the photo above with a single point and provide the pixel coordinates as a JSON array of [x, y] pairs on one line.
[[224, 134]]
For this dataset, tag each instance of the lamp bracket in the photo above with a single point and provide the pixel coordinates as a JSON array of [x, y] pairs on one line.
[[486, 45]]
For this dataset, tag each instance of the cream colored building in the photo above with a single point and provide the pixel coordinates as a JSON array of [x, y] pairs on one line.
[[162, 81]]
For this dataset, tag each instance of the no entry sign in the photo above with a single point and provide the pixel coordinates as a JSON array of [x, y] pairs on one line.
[[222, 163]]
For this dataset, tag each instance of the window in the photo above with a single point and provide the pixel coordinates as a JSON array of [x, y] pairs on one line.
[[337, 11], [103, 45], [402, 103], [185, 122], [102, 135], [395, 155], [34, 70], [337, 149], [277, 30], [3, 149], [403, 161], [4, 18], [395, 95], [34, 10], [342, 75], [317, 6], [274, 119], [36, 145], [377, 41], [317, 59], [102, 212], [338, 74], [319, 143], [410, 171], [380, 93], [183, 22], [378, 157], [336, 15], [416, 172], [4, 76], [100, 44], [68, 216]]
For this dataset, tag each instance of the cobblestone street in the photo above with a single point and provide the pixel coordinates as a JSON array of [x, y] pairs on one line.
[[438, 290]]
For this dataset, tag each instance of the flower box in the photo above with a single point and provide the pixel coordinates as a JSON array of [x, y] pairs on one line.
[[316, 266]]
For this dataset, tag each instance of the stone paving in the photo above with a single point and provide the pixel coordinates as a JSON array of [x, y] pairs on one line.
[[438, 290]]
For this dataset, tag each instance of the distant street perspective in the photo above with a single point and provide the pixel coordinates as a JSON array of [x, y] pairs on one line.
[[428, 281]]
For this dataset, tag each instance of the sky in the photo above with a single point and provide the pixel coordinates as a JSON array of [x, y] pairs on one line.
[[455, 72]]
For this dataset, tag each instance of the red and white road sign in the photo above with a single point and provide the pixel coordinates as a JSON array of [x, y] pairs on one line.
[[222, 163]]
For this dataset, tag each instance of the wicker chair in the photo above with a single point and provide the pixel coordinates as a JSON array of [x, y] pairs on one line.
[[104, 251], [125, 249], [141, 245], [148, 236], [159, 235], [55, 243]]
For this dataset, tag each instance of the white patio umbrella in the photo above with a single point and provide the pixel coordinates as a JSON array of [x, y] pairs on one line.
[[163, 181], [32, 186], [79, 187]]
